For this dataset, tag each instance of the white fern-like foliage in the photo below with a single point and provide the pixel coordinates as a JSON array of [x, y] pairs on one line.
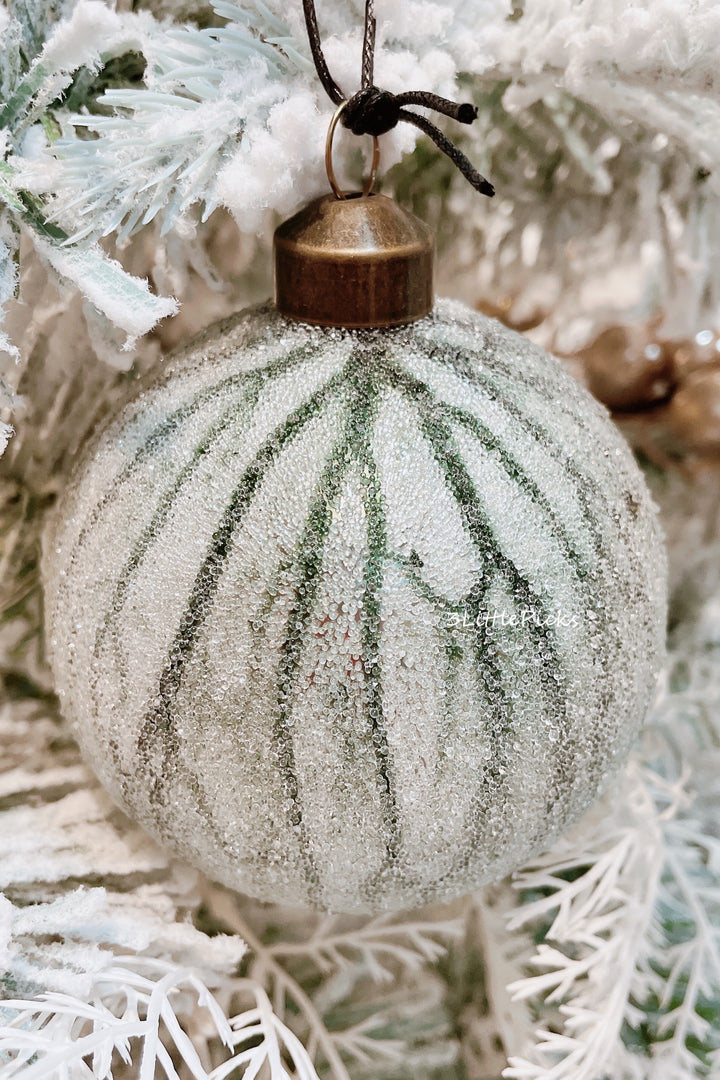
[[344, 952], [376, 944], [597, 890], [686, 984], [629, 908], [135, 1013]]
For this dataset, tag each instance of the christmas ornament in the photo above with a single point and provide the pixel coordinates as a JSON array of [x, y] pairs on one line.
[[694, 411], [358, 617], [626, 369]]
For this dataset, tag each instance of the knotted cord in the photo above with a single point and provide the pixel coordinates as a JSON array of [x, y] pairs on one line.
[[372, 111]]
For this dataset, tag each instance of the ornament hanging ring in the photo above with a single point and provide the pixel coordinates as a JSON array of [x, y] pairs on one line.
[[370, 182]]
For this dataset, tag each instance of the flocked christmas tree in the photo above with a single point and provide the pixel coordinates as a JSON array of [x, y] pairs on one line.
[[162, 145]]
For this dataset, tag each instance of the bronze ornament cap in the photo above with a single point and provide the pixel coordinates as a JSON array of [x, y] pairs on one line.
[[357, 261]]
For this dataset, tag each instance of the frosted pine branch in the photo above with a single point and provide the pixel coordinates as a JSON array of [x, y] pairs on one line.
[[161, 150], [31, 84]]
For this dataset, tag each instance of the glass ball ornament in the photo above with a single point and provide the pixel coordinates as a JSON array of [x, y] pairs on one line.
[[357, 619]]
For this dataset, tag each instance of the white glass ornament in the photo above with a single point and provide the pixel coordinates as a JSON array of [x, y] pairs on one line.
[[357, 619]]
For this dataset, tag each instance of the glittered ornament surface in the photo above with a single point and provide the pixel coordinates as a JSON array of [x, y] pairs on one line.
[[356, 619]]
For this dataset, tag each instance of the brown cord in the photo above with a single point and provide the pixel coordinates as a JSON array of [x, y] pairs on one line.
[[372, 111]]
